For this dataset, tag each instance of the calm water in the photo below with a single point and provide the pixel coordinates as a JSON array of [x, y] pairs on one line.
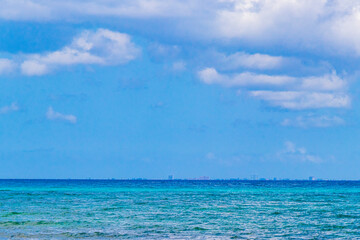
[[54, 209]]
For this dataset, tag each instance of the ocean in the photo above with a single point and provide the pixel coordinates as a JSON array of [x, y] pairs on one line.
[[117, 209]]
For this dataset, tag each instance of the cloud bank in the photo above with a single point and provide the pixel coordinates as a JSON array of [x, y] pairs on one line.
[[326, 28], [331, 26]]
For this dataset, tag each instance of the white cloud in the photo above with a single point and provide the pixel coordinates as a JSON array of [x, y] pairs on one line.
[[306, 24], [326, 82], [24, 10], [296, 26], [303, 100], [251, 61], [6, 65], [103, 47], [139, 8], [8, 109], [326, 91], [254, 19], [66, 9], [330, 26], [52, 115], [291, 152], [34, 68], [313, 121], [211, 76]]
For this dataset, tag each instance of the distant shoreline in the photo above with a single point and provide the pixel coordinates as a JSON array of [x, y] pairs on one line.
[[175, 180]]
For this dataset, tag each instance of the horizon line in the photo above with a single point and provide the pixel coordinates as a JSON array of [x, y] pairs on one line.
[[180, 179]]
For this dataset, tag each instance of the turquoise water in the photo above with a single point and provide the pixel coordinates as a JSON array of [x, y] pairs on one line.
[[59, 209]]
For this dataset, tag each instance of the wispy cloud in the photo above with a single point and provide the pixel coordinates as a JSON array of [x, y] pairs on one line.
[[309, 121], [303, 100], [291, 152], [161, 52], [52, 115], [102, 47], [210, 156], [6, 65], [256, 61], [80, 9], [211, 76], [8, 109], [324, 91], [178, 66], [326, 82], [34, 68]]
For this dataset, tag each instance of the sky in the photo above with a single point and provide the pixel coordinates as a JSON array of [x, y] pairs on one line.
[[147, 89]]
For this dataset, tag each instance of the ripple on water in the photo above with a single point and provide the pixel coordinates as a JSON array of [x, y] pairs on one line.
[[184, 210]]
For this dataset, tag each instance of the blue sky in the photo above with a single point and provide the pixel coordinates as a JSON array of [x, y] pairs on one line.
[[226, 89]]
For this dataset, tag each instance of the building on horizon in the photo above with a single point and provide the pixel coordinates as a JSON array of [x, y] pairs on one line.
[[204, 178], [199, 178]]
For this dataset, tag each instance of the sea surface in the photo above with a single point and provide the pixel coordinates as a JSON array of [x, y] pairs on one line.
[[107, 209]]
